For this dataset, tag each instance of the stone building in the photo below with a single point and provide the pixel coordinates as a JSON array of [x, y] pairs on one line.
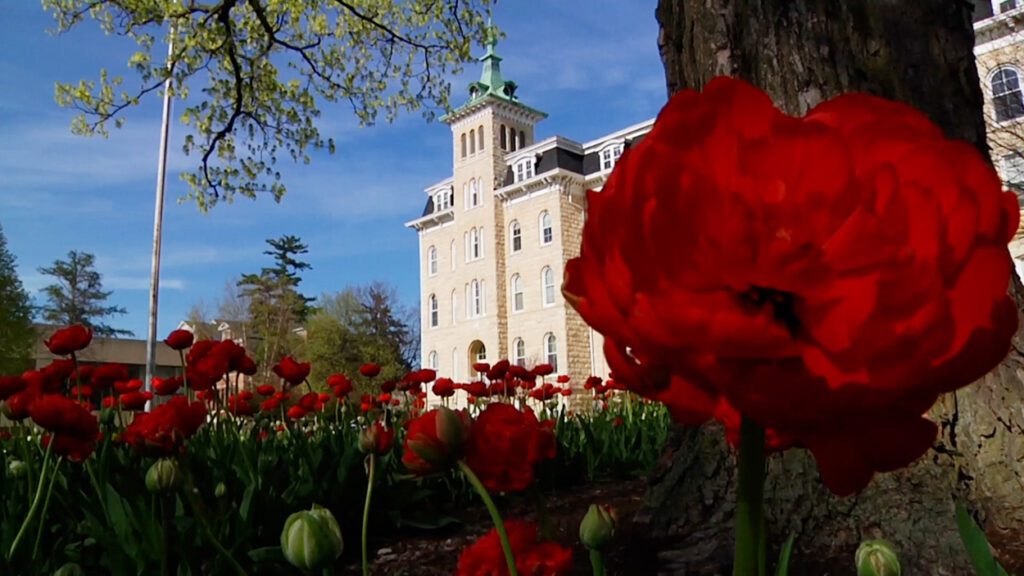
[[999, 53], [494, 237]]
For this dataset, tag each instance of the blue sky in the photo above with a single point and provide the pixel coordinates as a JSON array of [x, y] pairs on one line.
[[592, 65]]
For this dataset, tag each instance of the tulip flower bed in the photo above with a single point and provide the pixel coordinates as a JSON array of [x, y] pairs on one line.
[[207, 486]]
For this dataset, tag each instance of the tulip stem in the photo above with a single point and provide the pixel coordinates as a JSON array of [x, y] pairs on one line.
[[35, 504], [366, 509], [495, 516], [46, 507], [749, 554], [190, 497], [597, 562]]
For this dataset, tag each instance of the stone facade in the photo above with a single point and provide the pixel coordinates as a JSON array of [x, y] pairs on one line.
[[999, 54], [494, 238]]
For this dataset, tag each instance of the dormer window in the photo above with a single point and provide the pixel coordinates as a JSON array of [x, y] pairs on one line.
[[524, 169], [442, 201], [610, 155]]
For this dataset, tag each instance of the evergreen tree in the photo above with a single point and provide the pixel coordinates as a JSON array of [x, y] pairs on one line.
[[276, 308], [17, 334], [77, 296]]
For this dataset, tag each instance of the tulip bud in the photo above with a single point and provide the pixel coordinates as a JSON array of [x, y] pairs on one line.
[[376, 439], [220, 490], [69, 569], [163, 476], [17, 468], [311, 539], [598, 526], [877, 558]]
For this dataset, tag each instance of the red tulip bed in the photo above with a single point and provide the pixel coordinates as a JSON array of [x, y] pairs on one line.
[[207, 480]]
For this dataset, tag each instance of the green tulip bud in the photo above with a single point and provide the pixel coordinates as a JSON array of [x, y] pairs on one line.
[[220, 490], [311, 539], [107, 416], [69, 569], [163, 476], [598, 526], [877, 558], [17, 468]]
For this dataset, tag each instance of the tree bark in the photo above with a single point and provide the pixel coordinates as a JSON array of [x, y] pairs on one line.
[[802, 52]]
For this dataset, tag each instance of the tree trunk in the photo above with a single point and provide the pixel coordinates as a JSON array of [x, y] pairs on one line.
[[802, 52]]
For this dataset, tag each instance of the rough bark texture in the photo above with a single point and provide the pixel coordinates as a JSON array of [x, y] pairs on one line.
[[802, 52]]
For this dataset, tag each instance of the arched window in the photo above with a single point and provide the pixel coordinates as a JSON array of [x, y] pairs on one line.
[[463, 144], [432, 260], [455, 306], [512, 139], [517, 293], [547, 281], [480, 138], [453, 254], [1006, 94], [504, 137], [474, 243], [432, 305], [478, 298], [547, 234], [432, 360], [481, 353], [519, 352], [551, 350], [466, 245], [474, 193], [516, 233], [472, 141], [465, 195], [522, 139]]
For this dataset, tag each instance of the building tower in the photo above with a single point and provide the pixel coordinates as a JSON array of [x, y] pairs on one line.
[[462, 244]]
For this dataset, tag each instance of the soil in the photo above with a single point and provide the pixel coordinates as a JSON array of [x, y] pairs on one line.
[[632, 553]]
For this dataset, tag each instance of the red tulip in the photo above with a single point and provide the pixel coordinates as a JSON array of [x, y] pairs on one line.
[[265, 389], [179, 339], [369, 369], [505, 445], [69, 340], [292, 372], [485, 556], [435, 440]]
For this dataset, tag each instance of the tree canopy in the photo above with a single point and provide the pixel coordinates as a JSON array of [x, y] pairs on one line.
[[263, 68]]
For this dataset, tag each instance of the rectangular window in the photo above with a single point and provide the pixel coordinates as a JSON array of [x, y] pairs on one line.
[[517, 301], [548, 235], [1013, 175], [1007, 5]]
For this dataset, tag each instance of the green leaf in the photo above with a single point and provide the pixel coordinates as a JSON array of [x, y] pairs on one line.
[[977, 545], [246, 505], [787, 550]]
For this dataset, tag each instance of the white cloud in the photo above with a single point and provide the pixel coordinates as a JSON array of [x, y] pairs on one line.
[[140, 283]]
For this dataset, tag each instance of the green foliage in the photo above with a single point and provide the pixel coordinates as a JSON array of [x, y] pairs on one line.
[[77, 296], [358, 325], [263, 68], [276, 308], [17, 336]]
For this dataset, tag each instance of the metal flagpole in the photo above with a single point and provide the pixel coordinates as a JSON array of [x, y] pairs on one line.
[[158, 217]]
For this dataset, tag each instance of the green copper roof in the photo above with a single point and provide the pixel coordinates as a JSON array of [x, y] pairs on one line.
[[491, 84]]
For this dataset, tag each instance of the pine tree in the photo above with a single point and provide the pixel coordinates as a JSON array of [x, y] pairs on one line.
[[77, 296], [17, 334]]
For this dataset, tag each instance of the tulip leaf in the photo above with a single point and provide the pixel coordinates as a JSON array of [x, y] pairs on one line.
[[268, 554], [787, 550], [246, 506], [977, 545]]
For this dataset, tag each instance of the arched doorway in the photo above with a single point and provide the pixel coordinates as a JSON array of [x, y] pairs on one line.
[[477, 353]]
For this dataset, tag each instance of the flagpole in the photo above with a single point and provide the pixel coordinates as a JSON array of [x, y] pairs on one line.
[[158, 216]]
